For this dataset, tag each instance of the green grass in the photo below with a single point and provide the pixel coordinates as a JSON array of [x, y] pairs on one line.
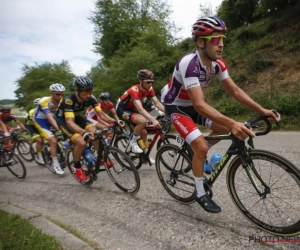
[[18, 234]]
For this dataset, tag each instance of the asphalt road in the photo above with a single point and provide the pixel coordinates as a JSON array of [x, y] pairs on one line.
[[149, 220]]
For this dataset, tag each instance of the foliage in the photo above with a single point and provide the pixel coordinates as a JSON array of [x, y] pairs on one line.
[[18, 233], [36, 80]]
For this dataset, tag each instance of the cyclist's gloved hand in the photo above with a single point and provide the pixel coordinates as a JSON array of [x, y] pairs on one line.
[[6, 134], [86, 135]]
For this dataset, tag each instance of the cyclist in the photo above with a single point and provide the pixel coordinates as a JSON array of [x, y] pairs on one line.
[[6, 116], [105, 104], [130, 108], [185, 102], [35, 136], [74, 125], [44, 120]]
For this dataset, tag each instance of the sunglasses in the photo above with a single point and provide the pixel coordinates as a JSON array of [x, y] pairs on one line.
[[86, 92], [148, 82], [59, 94], [215, 40]]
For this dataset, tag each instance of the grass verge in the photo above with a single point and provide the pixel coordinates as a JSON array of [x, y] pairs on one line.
[[17, 233]]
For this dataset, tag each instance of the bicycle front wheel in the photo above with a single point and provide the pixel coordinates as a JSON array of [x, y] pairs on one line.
[[173, 169], [121, 170], [121, 142], [24, 149], [273, 207], [14, 164]]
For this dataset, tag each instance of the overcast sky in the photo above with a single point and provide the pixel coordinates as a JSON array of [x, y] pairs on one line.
[[55, 30]]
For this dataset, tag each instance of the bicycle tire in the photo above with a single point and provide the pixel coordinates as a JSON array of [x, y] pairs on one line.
[[165, 124], [23, 148], [282, 209], [122, 167], [47, 157], [14, 164], [70, 161], [173, 176], [173, 140], [121, 143], [35, 155]]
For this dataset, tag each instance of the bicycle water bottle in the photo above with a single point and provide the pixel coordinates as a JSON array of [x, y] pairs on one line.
[[66, 143], [88, 155], [213, 163]]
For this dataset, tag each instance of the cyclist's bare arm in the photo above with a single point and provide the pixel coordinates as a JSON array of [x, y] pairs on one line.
[[52, 120], [104, 117], [238, 94], [105, 124], [139, 107], [158, 104], [20, 124], [204, 109], [114, 112]]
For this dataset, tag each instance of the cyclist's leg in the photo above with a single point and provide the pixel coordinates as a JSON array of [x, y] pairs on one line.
[[181, 117], [43, 127], [216, 129], [140, 123], [36, 137]]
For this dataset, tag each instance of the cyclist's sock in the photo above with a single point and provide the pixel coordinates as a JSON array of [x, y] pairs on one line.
[[77, 164], [55, 161], [199, 186], [134, 138], [40, 156]]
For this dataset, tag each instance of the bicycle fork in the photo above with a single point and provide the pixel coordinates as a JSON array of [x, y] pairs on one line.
[[255, 177]]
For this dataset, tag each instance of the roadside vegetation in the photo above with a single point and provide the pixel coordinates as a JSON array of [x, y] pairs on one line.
[[17, 233]]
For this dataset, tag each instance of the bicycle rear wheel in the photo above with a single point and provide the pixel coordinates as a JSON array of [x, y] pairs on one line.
[[69, 157], [121, 143], [171, 168], [276, 209], [123, 173], [47, 156], [14, 164], [24, 149]]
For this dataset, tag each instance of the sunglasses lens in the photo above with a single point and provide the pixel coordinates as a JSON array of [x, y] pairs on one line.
[[216, 40]]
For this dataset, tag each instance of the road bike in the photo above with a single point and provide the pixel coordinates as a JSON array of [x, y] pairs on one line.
[[60, 152], [264, 186], [11, 161], [160, 136], [117, 164]]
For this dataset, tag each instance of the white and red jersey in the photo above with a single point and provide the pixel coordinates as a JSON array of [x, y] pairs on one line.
[[189, 72], [91, 114]]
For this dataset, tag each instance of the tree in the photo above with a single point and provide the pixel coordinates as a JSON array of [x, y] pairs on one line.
[[35, 81]]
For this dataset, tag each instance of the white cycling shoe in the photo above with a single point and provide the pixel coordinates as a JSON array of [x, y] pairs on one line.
[[58, 169], [135, 148]]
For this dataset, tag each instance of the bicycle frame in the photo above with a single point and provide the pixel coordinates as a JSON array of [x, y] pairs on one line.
[[238, 147]]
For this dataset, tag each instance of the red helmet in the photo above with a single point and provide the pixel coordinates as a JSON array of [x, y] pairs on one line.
[[207, 25], [145, 74]]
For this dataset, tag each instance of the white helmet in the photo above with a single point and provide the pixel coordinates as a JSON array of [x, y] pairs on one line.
[[36, 101], [57, 87]]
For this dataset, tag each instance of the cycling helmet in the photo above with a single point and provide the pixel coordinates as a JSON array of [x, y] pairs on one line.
[[207, 25], [145, 74], [83, 83], [5, 109], [57, 87], [36, 101], [104, 96]]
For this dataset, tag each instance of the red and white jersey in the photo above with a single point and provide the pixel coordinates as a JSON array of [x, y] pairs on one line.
[[189, 72], [91, 114]]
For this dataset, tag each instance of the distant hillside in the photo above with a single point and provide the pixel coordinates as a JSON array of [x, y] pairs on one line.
[[9, 102]]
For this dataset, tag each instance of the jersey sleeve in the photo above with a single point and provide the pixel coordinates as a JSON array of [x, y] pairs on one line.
[[44, 105], [223, 72], [189, 69], [133, 92]]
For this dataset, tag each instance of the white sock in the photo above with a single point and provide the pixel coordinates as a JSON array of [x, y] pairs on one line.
[[199, 186], [55, 161], [40, 157], [134, 138]]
